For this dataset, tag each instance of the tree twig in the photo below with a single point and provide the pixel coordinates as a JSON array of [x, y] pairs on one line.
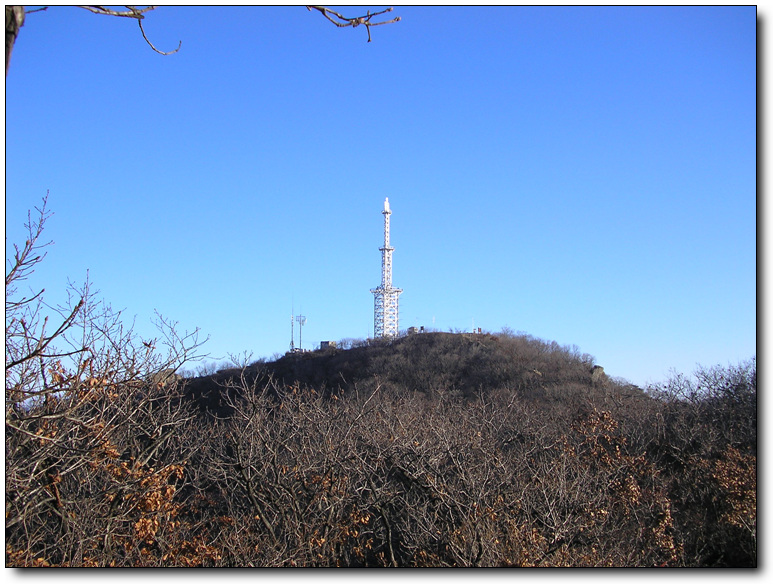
[[132, 12], [342, 21], [179, 44]]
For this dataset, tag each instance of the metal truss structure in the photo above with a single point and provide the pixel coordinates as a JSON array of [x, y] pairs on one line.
[[386, 310]]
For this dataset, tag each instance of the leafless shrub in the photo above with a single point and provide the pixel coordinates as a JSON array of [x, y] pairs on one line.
[[93, 425]]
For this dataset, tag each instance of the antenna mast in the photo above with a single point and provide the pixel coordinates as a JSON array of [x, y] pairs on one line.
[[385, 311], [292, 333], [301, 321]]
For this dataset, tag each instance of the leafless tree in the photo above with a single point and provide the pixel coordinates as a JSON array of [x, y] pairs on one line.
[[707, 446], [93, 424]]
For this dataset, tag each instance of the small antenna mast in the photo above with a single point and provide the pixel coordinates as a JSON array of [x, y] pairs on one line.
[[292, 333], [301, 321], [292, 330]]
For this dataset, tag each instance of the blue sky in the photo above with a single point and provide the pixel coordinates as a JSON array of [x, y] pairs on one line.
[[584, 175]]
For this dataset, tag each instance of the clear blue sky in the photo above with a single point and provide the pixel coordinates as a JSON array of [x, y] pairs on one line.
[[584, 175]]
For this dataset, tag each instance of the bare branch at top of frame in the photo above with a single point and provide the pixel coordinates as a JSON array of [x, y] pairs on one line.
[[342, 21], [132, 12]]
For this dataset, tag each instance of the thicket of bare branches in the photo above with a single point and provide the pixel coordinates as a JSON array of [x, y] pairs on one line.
[[94, 423], [407, 481], [391, 478], [111, 460]]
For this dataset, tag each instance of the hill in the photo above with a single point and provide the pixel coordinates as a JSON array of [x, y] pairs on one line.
[[434, 449], [452, 365], [499, 450], [429, 450]]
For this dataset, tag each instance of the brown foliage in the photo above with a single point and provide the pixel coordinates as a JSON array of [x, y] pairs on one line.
[[434, 450]]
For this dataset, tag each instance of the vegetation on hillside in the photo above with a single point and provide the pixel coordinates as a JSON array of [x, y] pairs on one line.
[[435, 449]]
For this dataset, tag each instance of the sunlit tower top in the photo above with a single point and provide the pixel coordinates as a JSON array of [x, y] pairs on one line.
[[385, 311]]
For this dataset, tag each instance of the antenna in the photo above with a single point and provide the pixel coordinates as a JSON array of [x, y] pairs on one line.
[[385, 310], [292, 333], [301, 321]]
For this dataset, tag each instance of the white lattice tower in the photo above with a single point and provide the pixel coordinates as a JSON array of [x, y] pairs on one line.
[[386, 310]]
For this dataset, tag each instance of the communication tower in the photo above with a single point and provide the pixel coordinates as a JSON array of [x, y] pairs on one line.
[[385, 311], [301, 321]]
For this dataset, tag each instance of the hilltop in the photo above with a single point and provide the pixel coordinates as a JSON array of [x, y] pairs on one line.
[[447, 449], [434, 364]]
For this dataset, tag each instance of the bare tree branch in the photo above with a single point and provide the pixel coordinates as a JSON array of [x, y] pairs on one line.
[[132, 12], [179, 44], [342, 21]]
